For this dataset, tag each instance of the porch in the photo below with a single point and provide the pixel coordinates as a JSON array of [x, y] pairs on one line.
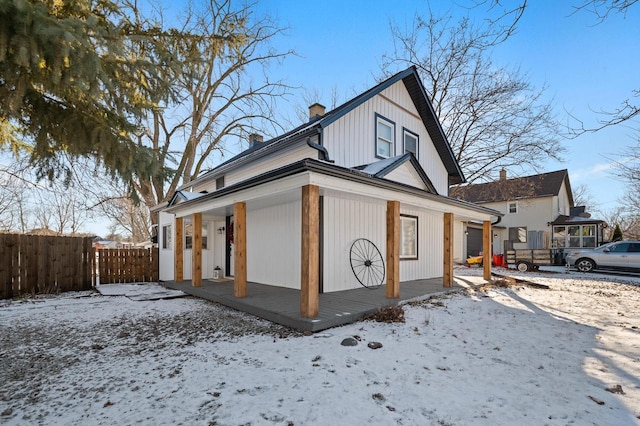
[[282, 305]]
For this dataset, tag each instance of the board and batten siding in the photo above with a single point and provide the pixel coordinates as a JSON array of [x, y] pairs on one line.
[[274, 245], [344, 221], [350, 140], [207, 254], [430, 247], [166, 256]]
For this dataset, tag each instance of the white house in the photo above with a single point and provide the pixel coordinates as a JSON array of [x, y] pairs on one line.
[[366, 183], [539, 213]]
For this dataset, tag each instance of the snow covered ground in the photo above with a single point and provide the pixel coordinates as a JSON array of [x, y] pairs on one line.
[[498, 356]]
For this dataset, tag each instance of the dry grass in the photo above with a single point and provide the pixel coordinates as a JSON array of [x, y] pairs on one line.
[[392, 314]]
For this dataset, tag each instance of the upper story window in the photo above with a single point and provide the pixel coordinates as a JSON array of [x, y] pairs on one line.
[[410, 142], [385, 131], [512, 207], [220, 182]]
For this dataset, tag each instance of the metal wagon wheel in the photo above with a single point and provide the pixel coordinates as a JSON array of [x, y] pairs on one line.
[[367, 263]]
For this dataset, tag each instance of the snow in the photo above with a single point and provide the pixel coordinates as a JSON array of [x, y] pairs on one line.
[[486, 356]]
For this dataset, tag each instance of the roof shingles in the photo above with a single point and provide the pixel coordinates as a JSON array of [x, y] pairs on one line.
[[535, 186]]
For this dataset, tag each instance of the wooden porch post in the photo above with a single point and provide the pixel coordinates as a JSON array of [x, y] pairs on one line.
[[179, 253], [393, 249], [196, 250], [486, 249], [310, 266], [240, 249], [447, 277]]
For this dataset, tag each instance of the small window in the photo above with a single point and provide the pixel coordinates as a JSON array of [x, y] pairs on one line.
[[512, 207], [518, 235], [408, 237], [166, 237], [385, 130], [220, 182], [188, 232], [410, 141]]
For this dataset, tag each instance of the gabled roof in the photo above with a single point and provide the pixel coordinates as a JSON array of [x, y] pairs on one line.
[[382, 168], [180, 196], [418, 95], [535, 186]]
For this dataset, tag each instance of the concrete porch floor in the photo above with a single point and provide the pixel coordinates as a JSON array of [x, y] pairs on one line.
[[282, 305]]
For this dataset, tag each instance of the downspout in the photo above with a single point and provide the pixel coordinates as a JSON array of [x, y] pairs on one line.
[[324, 154]]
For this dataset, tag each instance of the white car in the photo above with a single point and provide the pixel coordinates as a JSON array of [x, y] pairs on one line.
[[618, 255]]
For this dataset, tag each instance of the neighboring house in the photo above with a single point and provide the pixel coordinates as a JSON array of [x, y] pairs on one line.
[[538, 214], [286, 212]]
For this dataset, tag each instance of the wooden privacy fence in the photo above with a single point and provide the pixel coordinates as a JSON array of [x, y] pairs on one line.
[[44, 264], [127, 265]]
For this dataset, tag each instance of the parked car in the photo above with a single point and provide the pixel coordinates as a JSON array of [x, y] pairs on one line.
[[618, 255]]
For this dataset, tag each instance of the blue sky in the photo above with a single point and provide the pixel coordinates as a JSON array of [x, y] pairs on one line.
[[586, 66]]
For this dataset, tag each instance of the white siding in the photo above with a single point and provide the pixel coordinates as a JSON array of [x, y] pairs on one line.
[[459, 242], [406, 174], [207, 255], [219, 248], [350, 140], [430, 247], [274, 244], [533, 213], [344, 222], [166, 269], [564, 205]]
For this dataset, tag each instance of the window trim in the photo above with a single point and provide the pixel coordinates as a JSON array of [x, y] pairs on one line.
[[417, 238], [406, 132], [392, 125], [509, 207]]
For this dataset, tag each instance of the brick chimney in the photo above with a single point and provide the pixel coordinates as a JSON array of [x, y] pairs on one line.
[[503, 174], [316, 110], [254, 139]]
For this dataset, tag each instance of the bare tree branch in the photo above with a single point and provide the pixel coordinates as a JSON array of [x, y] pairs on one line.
[[603, 8], [492, 116]]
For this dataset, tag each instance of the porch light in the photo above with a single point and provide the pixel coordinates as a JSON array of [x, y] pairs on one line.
[[221, 230]]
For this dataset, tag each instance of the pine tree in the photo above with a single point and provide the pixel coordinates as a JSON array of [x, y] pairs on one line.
[[76, 79], [617, 234]]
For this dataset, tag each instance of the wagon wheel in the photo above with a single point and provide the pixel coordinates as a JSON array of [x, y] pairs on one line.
[[367, 263]]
